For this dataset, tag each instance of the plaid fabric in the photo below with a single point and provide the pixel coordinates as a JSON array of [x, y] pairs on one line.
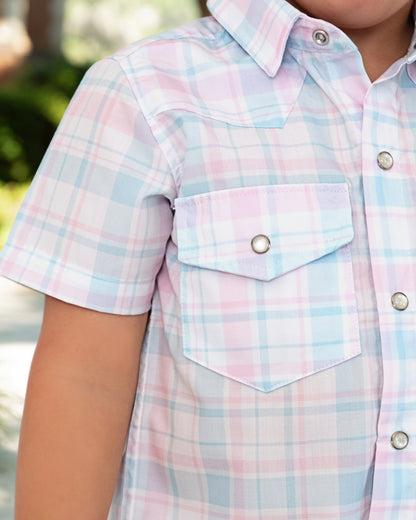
[[100, 199], [270, 384], [264, 334]]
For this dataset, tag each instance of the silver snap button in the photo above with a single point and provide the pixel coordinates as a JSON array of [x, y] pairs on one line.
[[399, 301], [385, 160], [260, 244], [320, 37], [399, 440]]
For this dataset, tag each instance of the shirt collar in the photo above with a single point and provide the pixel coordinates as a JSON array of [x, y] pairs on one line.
[[263, 27]]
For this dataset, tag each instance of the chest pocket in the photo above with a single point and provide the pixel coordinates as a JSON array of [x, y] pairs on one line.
[[269, 311]]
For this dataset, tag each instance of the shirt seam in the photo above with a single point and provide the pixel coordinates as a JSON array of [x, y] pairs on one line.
[[66, 266], [174, 170]]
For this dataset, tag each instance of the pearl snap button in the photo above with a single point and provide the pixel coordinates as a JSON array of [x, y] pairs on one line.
[[260, 244], [399, 301], [399, 440], [385, 160], [320, 37]]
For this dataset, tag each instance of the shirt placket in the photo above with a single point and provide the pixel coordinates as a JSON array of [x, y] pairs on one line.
[[390, 221]]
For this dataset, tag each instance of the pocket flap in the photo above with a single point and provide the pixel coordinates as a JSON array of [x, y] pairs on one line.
[[303, 222]]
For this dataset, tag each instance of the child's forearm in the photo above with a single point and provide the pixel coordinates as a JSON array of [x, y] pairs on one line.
[[77, 411], [70, 451]]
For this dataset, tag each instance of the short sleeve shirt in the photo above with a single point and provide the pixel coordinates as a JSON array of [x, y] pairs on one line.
[[242, 179]]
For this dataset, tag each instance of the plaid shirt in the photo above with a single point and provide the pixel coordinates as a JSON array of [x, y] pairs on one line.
[[242, 177]]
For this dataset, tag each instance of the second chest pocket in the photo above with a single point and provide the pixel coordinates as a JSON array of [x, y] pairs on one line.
[[267, 292]]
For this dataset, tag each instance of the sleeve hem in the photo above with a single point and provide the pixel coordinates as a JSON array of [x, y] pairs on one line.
[[73, 286]]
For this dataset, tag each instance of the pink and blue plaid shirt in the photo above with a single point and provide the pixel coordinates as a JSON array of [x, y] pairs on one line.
[[242, 177]]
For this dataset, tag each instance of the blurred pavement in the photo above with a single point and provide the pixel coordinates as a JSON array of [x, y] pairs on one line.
[[20, 318]]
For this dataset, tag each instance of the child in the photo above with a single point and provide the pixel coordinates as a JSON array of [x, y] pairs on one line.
[[250, 178]]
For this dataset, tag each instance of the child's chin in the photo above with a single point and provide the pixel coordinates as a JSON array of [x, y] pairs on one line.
[[354, 14]]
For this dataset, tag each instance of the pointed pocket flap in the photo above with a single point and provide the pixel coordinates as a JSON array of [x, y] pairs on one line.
[[291, 224]]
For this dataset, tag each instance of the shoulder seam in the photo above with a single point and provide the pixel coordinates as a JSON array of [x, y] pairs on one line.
[[173, 169]]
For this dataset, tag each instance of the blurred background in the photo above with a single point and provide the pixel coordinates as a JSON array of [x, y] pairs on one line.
[[45, 48]]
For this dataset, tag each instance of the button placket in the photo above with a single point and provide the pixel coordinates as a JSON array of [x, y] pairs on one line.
[[382, 154]]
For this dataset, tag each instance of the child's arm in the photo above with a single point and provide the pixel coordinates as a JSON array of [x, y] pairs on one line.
[[78, 405]]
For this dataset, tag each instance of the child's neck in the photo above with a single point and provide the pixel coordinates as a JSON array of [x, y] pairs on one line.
[[382, 45]]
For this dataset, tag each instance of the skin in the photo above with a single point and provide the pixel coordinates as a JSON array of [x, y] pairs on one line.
[[77, 410], [381, 29]]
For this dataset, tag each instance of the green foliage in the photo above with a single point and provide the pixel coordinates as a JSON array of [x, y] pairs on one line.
[[30, 111], [32, 107], [58, 74]]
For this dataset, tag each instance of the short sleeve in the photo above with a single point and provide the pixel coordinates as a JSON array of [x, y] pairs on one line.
[[93, 227]]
